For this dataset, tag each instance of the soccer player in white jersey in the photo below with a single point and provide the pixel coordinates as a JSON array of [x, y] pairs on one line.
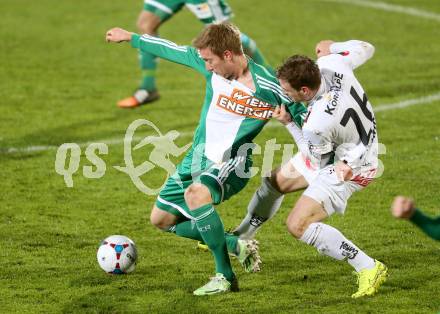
[[338, 155]]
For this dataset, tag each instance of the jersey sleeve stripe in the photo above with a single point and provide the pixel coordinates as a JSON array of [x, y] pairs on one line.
[[262, 80], [169, 44], [281, 95], [265, 70], [274, 85], [166, 43], [267, 87], [162, 40]]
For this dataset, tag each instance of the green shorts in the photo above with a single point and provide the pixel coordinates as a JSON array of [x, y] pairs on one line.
[[206, 11], [223, 181]]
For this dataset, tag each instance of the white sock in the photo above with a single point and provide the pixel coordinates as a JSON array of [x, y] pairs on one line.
[[331, 242], [264, 204]]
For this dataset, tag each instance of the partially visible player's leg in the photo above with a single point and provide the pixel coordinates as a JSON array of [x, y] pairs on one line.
[[223, 182], [172, 220], [151, 17], [162, 219], [268, 198], [148, 23], [217, 184], [167, 221], [322, 198], [210, 226]]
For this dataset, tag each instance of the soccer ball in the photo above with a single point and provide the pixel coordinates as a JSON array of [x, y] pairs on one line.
[[117, 254]]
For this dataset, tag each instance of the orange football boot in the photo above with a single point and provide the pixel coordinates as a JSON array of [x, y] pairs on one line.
[[140, 97]]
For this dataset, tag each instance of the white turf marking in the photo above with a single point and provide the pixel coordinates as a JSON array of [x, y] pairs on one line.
[[410, 102], [391, 8], [114, 141], [403, 104]]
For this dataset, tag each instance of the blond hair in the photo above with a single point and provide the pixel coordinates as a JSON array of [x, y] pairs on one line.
[[219, 38]]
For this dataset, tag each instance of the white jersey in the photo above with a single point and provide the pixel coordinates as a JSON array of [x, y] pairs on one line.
[[340, 121]]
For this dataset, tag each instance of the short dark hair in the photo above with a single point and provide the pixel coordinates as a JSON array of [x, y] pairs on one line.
[[219, 38], [300, 71]]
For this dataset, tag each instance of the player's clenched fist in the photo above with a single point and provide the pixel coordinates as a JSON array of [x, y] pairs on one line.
[[117, 35], [281, 114], [343, 171], [403, 207]]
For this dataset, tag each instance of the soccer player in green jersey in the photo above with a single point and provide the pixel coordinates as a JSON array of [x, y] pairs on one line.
[[153, 15], [404, 207], [240, 98]]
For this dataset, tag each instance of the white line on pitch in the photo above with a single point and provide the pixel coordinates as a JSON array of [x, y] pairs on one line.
[[409, 102], [399, 105], [40, 148], [391, 8]]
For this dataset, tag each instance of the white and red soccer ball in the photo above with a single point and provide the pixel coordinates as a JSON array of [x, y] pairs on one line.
[[117, 254]]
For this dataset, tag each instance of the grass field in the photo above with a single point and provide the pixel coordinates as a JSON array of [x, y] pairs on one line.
[[59, 82]]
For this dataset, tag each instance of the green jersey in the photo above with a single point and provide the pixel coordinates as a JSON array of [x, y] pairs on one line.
[[429, 225], [232, 114]]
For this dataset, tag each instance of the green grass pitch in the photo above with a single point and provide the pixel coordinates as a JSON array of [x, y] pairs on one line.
[[59, 83]]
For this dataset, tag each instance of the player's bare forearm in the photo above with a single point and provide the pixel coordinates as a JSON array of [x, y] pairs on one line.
[[323, 48], [118, 35]]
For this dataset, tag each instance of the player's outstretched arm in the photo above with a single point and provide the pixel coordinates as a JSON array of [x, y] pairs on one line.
[[159, 47], [404, 207], [354, 52]]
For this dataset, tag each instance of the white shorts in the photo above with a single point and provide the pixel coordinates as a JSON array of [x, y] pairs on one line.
[[303, 166], [324, 185]]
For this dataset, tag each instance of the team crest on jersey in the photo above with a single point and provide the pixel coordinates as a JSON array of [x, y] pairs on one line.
[[246, 105]]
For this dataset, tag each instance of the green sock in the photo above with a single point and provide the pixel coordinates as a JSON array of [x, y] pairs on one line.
[[148, 65], [210, 226], [252, 50], [231, 242], [187, 229]]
